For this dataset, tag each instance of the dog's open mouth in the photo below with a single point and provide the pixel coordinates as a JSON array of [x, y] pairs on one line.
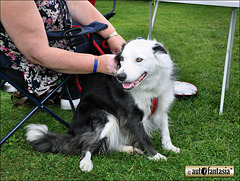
[[131, 85]]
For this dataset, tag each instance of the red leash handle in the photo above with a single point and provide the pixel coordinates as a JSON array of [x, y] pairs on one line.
[[77, 84], [96, 46]]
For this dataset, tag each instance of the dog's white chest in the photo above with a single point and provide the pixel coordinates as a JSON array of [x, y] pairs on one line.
[[144, 105]]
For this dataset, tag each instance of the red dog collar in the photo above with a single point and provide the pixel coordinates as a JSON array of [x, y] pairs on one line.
[[153, 106]]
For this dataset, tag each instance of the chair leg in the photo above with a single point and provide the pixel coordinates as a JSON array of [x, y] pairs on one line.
[[69, 98], [39, 105], [2, 83], [18, 125]]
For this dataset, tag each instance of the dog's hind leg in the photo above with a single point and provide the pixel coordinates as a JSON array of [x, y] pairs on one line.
[[86, 163], [129, 149]]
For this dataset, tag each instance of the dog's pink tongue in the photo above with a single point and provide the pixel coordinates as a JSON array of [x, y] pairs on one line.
[[133, 84], [126, 85]]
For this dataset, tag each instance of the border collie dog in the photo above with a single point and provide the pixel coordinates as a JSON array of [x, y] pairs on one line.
[[118, 113]]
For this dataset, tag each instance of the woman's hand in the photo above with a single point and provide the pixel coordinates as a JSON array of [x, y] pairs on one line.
[[115, 44], [107, 64]]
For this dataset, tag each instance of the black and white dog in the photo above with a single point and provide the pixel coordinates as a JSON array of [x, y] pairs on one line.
[[118, 115]]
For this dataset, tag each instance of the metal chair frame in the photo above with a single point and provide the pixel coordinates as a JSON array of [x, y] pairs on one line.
[[39, 104]]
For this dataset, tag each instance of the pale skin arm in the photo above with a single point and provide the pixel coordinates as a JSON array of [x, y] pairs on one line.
[[23, 23]]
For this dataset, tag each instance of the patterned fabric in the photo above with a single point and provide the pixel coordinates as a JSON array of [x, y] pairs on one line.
[[56, 17]]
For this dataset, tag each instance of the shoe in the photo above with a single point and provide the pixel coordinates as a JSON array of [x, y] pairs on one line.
[[65, 104], [9, 88]]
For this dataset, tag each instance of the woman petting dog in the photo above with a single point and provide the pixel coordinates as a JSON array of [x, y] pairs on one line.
[[36, 61], [113, 115]]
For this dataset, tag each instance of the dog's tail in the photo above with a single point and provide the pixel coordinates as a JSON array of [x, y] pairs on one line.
[[44, 141]]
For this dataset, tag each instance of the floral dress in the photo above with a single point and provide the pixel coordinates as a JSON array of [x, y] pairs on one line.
[[56, 17]]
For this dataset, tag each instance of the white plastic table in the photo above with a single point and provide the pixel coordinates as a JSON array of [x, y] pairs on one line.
[[234, 4]]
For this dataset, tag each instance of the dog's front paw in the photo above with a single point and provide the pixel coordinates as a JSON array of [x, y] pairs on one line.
[[86, 165], [157, 157], [169, 146]]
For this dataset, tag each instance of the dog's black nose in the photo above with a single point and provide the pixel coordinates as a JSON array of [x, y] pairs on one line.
[[121, 76]]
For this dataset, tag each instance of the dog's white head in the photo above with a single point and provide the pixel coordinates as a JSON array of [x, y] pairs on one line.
[[141, 59]]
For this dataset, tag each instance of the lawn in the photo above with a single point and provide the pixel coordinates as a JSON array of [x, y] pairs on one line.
[[196, 37]]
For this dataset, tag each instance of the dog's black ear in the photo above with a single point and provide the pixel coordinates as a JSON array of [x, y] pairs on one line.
[[118, 56], [123, 46], [159, 48]]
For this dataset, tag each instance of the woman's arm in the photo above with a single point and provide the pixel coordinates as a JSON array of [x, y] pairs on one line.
[[83, 12], [23, 23]]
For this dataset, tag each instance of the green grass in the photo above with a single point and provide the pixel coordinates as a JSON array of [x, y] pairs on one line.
[[196, 37]]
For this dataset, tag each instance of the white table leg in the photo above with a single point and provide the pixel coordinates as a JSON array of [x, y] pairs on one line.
[[228, 57], [151, 23], [150, 20]]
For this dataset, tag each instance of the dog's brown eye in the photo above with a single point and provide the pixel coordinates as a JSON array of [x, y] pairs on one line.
[[138, 59], [121, 59]]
